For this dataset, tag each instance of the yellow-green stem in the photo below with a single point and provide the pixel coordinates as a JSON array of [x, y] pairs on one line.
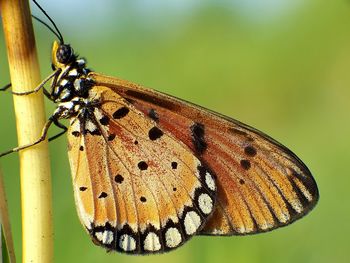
[[5, 222], [37, 235]]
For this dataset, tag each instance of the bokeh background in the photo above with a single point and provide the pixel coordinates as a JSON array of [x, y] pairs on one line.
[[280, 66]]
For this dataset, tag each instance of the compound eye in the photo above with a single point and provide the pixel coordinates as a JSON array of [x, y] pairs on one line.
[[64, 54]]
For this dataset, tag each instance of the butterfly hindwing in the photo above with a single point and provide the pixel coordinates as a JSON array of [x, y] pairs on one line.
[[261, 184], [137, 188]]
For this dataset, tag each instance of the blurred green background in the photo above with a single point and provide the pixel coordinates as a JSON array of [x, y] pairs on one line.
[[280, 66]]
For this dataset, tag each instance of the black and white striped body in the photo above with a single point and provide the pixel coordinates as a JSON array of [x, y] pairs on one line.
[[72, 82], [71, 91]]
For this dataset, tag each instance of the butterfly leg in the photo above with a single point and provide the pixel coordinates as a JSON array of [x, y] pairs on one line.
[[40, 86], [46, 93], [6, 87], [59, 125], [42, 138]]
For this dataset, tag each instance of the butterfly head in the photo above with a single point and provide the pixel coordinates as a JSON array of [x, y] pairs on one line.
[[62, 55]]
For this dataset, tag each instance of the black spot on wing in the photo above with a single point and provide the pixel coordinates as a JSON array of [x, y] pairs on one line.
[[142, 165], [111, 137], [174, 165], [245, 164], [75, 133], [103, 195], [250, 151], [120, 113], [104, 120], [153, 115], [155, 133], [96, 132], [198, 140], [119, 178]]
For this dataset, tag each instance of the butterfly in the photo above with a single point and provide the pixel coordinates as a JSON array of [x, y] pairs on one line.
[[150, 171]]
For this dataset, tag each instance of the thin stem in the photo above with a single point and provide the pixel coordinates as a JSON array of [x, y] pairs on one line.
[[37, 236], [5, 222]]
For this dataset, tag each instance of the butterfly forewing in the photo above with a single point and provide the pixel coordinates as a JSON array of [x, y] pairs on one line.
[[261, 184], [138, 188]]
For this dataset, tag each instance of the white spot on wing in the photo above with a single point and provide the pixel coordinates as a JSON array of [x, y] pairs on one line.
[[245, 229], [205, 203], [241, 229], [192, 222], [297, 206], [307, 194], [209, 180], [151, 242], [303, 189], [172, 237], [127, 243], [283, 217], [217, 232], [265, 225], [106, 237]]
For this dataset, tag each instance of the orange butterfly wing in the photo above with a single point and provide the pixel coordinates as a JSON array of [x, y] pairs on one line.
[[261, 184], [137, 188]]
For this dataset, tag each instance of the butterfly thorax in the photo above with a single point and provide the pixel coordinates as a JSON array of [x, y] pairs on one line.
[[72, 82]]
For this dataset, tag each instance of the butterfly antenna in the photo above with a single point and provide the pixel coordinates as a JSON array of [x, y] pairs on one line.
[[57, 33], [42, 22]]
